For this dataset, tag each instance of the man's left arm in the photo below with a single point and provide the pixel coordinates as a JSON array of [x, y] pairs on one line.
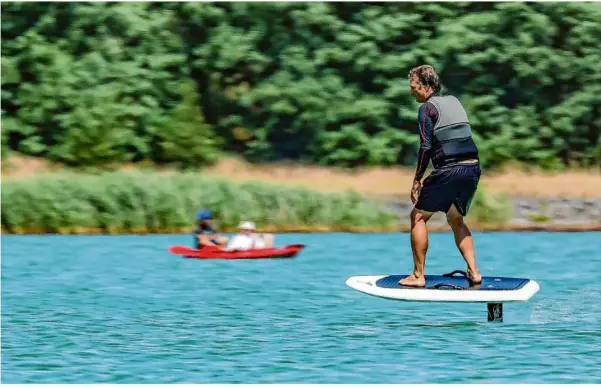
[[425, 134], [425, 123]]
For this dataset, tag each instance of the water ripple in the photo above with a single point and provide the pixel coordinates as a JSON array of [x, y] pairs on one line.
[[122, 310]]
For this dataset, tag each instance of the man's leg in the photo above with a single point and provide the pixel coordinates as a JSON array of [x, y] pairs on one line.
[[465, 243], [419, 247]]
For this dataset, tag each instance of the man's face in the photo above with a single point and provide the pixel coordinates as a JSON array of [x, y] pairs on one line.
[[207, 222], [420, 92]]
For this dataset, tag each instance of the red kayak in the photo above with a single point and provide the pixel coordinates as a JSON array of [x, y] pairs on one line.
[[210, 252]]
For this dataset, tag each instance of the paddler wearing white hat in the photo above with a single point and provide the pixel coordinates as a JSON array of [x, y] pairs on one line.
[[248, 239]]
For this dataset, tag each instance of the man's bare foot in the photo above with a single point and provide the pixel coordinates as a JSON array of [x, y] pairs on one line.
[[412, 280], [474, 278]]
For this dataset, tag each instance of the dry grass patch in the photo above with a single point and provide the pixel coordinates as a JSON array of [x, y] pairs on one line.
[[513, 181]]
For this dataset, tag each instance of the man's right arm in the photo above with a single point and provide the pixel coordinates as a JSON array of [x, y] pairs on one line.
[[205, 240]]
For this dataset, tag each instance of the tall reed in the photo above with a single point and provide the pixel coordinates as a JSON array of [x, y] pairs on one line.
[[140, 202]]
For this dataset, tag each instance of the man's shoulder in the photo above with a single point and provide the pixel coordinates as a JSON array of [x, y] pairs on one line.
[[442, 97], [428, 107], [445, 100]]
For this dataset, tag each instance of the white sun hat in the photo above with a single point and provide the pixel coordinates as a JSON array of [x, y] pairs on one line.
[[246, 225]]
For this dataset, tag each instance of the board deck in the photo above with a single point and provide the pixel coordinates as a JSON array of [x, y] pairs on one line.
[[447, 288], [433, 281]]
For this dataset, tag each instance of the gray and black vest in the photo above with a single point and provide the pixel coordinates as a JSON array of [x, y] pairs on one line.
[[452, 137]]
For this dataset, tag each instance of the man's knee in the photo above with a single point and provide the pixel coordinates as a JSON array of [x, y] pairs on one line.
[[415, 215], [454, 221], [419, 215], [454, 218]]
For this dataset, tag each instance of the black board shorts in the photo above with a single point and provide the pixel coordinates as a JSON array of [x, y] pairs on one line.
[[454, 184]]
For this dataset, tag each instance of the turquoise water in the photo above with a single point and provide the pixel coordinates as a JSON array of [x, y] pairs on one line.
[[121, 309]]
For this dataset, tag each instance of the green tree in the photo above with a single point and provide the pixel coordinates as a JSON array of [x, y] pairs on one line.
[[316, 82], [184, 137]]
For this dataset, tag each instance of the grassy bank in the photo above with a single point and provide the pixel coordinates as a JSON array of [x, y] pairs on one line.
[[515, 181], [137, 202], [166, 202]]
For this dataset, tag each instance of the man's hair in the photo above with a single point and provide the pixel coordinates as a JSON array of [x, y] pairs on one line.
[[426, 76]]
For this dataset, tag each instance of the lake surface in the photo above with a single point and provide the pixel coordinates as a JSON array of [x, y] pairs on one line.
[[121, 309]]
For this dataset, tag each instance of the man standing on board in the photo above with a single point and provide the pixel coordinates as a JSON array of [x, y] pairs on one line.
[[446, 139]]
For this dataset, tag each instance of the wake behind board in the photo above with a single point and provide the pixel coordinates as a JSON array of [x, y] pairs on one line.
[[447, 288]]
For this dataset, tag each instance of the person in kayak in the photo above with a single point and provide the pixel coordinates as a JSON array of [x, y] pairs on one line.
[[248, 239], [446, 138], [205, 234]]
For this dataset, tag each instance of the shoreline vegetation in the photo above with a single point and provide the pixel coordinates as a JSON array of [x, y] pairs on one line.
[[87, 89], [164, 202], [516, 180], [322, 230]]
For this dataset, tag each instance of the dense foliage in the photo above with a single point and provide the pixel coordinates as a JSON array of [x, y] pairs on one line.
[[100, 83]]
